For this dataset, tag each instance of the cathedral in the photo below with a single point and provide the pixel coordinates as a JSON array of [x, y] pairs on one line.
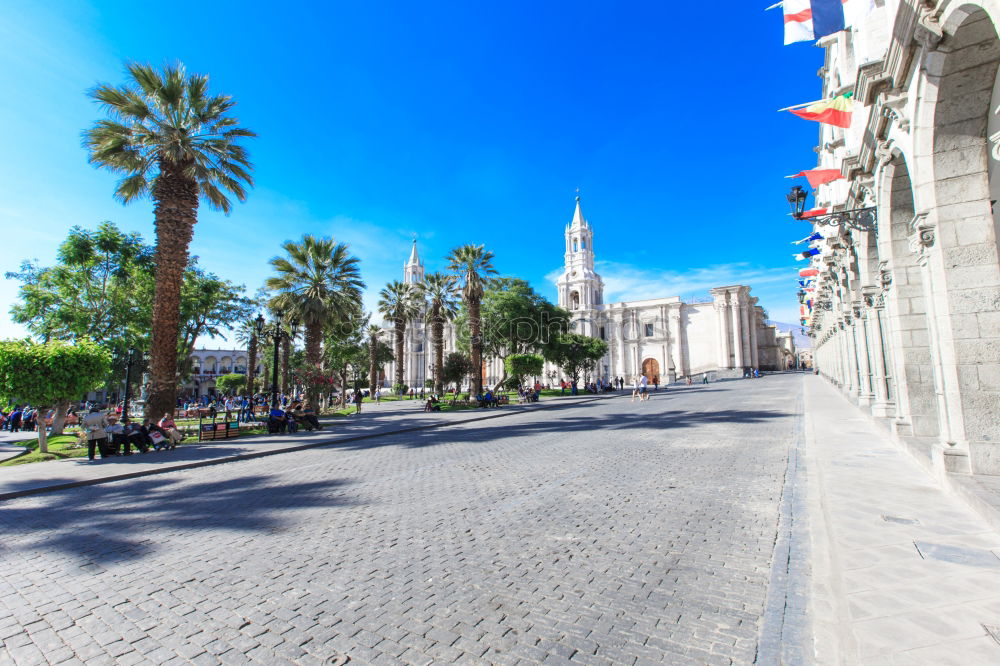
[[664, 339]]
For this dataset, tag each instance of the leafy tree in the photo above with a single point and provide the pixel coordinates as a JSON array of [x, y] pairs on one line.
[[319, 284], [519, 366], [344, 350], [439, 290], [457, 366], [208, 305], [473, 266], [230, 383], [172, 142], [516, 320], [399, 302], [378, 353], [47, 374], [246, 334], [576, 354]]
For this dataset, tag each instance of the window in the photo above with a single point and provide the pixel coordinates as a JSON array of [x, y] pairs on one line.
[[648, 330], [602, 333], [583, 244], [575, 247]]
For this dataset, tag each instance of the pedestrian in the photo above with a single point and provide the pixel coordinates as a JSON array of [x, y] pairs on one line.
[[643, 388], [656, 383], [94, 424], [635, 389], [358, 398], [704, 378], [378, 395], [15, 419]]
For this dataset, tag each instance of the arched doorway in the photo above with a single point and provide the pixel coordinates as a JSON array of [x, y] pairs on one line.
[[651, 369]]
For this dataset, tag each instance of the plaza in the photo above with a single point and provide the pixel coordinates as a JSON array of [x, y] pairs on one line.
[[740, 522]]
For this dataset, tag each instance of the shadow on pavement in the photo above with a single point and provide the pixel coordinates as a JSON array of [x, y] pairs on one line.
[[111, 523]]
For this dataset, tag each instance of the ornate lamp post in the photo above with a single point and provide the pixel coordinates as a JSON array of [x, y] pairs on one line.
[[861, 219]]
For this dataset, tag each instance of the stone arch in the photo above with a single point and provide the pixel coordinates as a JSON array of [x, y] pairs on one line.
[[574, 300], [912, 386], [958, 241]]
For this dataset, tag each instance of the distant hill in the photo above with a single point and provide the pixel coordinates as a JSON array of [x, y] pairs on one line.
[[802, 341]]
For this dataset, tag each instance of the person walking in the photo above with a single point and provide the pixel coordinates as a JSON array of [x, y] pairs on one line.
[[635, 389], [95, 425], [358, 399], [378, 395], [643, 388]]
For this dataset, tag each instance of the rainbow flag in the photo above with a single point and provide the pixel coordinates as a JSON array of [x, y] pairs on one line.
[[834, 111]]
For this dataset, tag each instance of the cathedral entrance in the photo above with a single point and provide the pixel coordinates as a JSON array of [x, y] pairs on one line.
[[651, 369]]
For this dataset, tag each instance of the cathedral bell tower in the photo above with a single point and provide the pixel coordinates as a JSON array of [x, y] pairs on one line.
[[580, 288], [413, 269]]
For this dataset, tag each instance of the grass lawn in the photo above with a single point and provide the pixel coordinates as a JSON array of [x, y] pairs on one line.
[[60, 447]]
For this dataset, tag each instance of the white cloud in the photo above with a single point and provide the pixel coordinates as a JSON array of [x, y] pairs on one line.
[[775, 287]]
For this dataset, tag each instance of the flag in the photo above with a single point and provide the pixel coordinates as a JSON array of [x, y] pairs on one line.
[[802, 256], [834, 111], [817, 177], [808, 20], [815, 236], [808, 272], [814, 212]]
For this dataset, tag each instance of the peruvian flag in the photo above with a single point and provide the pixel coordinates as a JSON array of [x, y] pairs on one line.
[[808, 20]]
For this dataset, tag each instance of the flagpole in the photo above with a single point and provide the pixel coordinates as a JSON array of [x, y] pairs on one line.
[[797, 106]]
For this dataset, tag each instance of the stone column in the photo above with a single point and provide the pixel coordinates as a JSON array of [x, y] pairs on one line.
[[722, 339], [680, 365], [737, 333], [862, 342], [754, 351]]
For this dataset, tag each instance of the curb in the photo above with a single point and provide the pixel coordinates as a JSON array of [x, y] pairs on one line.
[[262, 454]]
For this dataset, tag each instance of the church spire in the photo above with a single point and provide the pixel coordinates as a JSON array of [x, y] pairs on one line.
[[578, 221], [414, 257]]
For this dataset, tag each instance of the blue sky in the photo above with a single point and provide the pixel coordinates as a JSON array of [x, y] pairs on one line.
[[460, 122]]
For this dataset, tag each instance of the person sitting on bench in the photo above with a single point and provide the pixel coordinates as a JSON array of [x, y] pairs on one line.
[[277, 421]]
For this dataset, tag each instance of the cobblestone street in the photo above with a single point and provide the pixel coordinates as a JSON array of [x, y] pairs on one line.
[[605, 533]]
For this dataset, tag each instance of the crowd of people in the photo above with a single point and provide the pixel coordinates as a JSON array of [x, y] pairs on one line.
[[107, 435]]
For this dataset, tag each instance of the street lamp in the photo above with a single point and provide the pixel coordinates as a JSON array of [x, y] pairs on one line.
[[277, 335], [128, 380], [861, 219]]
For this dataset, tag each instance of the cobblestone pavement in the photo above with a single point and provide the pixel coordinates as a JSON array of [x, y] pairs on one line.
[[608, 533]]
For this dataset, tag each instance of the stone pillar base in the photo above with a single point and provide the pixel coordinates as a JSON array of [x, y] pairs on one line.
[[883, 409], [865, 399], [956, 461], [902, 428]]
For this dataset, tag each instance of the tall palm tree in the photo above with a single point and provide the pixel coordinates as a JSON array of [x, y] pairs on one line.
[[399, 302], [173, 142], [473, 267], [318, 283], [247, 334], [372, 332], [440, 292]]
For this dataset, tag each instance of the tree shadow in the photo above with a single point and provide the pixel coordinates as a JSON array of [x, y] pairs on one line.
[[112, 523]]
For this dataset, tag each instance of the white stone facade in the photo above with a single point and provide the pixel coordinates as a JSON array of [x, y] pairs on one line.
[[662, 338], [907, 318], [207, 364]]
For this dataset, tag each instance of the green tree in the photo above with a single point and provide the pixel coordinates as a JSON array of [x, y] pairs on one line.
[[519, 366], [399, 302], [344, 350], [246, 334], [173, 142], [47, 374], [576, 354], [319, 284], [457, 366], [473, 266], [208, 305], [378, 353], [516, 320], [440, 292], [230, 383]]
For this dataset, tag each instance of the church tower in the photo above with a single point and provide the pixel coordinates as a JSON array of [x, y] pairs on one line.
[[413, 269], [580, 288]]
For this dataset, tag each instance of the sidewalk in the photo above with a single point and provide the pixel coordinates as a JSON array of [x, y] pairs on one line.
[[388, 418], [903, 571]]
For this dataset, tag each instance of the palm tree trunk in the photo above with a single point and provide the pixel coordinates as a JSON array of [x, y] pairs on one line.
[[176, 212], [251, 364], [285, 371], [400, 333], [372, 363], [438, 334], [475, 326], [314, 357]]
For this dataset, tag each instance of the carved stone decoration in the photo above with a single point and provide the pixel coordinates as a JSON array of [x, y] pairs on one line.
[[884, 275], [928, 32]]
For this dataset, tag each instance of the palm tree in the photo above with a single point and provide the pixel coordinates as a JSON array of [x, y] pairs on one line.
[[399, 302], [319, 284], [473, 267], [247, 334], [172, 142], [439, 290], [372, 332]]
